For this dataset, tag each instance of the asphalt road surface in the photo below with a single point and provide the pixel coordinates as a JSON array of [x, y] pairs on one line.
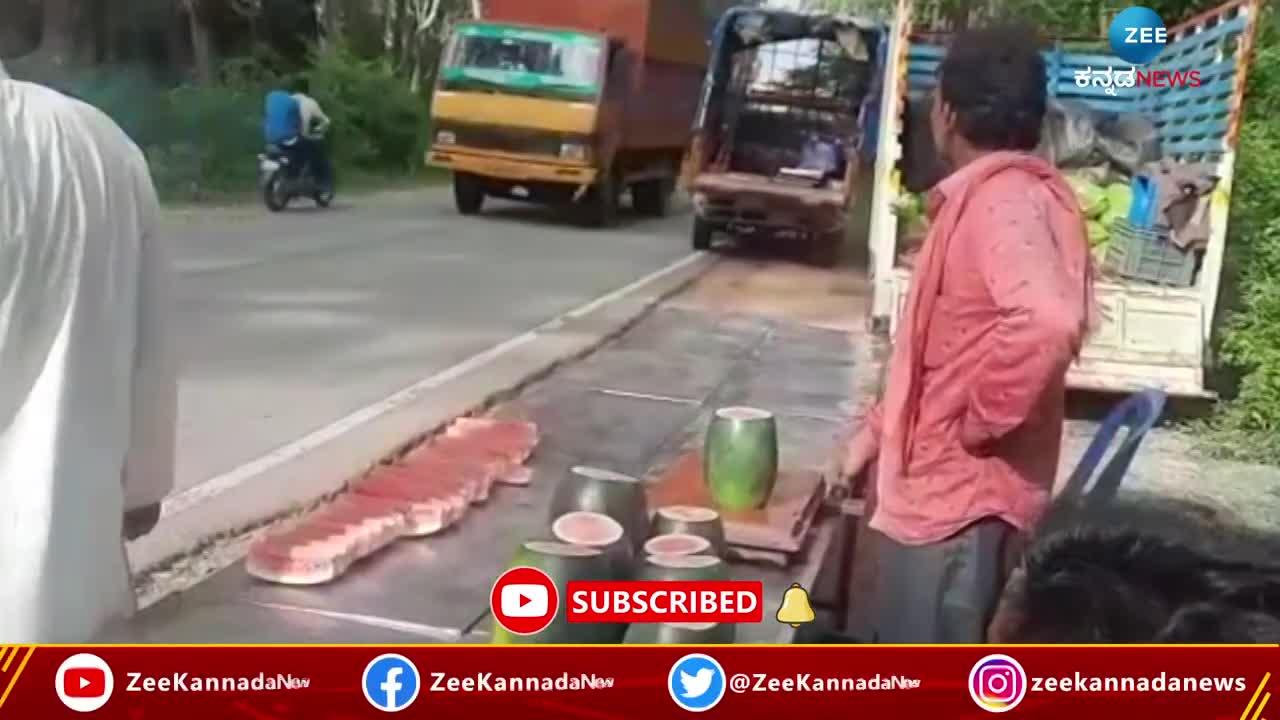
[[288, 322]]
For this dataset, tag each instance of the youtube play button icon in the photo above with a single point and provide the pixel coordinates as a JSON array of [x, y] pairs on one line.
[[84, 682], [524, 601]]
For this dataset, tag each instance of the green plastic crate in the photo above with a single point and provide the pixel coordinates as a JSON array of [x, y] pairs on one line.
[[1147, 255]]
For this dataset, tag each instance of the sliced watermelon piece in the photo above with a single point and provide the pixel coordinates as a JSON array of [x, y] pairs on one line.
[[515, 439], [265, 563], [452, 469], [677, 544], [420, 518]]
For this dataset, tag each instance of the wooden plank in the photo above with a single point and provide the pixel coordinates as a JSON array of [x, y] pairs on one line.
[[780, 526]]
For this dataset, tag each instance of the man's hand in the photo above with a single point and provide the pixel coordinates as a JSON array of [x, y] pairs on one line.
[[140, 521], [857, 457]]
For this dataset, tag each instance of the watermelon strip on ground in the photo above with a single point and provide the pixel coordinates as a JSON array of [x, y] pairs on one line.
[[425, 504], [420, 518], [379, 526], [514, 438], [265, 563], [473, 477]]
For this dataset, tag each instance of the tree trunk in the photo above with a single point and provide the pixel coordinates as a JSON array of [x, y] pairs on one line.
[[201, 46]]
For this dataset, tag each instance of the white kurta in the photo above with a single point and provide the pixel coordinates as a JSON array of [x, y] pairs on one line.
[[88, 391]]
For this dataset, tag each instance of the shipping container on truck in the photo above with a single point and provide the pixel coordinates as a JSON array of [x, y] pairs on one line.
[[1149, 335], [571, 103]]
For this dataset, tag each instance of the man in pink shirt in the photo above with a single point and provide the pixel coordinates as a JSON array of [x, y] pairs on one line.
[[964, 444]]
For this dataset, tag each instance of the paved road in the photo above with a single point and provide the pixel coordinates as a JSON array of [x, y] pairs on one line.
[[290, 322]]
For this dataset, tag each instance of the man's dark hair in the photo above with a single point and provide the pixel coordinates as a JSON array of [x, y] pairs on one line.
[[1088, 586], [994, 80], [1212, 623], [302, 85]]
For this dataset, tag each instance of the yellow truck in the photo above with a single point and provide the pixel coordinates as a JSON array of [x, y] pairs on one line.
[[571, 103]]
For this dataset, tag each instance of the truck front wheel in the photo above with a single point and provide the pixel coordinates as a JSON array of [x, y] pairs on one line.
[[701, 234], [600, 206], [651, 197], [468, 194]]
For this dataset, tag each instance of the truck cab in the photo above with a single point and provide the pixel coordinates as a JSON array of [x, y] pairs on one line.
[[570, 103], [516, 111]]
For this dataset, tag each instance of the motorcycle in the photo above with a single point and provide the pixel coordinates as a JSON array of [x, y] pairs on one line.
[[281, 182]]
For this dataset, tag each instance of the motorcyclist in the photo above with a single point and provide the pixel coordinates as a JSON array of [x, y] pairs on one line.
[[314, 124], [295, 123]]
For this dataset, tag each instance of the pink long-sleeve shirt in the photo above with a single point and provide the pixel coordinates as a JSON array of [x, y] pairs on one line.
[[1004, 328]]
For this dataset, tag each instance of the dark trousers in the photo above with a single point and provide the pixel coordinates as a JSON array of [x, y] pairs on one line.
[[941, 593], [307, 153]]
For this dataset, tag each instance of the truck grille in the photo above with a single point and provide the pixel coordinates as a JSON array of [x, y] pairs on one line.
[[512, 140]]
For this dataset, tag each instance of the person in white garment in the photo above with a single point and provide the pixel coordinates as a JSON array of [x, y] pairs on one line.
[[88, 390], [314, 126]]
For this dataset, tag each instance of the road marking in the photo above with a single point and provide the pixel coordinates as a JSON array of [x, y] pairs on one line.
[[215, 486]]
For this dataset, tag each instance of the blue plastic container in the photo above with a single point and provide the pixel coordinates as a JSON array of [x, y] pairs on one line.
[[1142, 213]]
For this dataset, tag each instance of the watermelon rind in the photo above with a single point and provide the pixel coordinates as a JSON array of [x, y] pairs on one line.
[[619, 496], [691, 520], [740, 458]]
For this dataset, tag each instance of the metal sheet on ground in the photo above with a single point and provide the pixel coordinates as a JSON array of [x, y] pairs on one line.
[[442, 581], [239, 623], [614, 432], [637, 371], [678, 333]]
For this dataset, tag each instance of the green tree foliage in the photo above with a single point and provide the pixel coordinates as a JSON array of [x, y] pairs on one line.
[[1248, 427]]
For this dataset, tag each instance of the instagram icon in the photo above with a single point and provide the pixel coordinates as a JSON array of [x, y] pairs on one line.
[[997, 683]]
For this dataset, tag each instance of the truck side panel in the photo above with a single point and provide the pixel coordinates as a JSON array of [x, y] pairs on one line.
[[668, 41]]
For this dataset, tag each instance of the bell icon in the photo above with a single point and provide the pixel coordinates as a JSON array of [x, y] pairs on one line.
[[795, 610]]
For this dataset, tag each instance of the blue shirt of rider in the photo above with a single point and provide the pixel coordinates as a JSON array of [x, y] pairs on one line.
[[283, 118]]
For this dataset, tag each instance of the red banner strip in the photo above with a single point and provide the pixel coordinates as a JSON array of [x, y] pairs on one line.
[[602, 682]]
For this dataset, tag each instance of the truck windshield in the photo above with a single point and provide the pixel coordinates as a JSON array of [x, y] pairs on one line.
[[543, 63]]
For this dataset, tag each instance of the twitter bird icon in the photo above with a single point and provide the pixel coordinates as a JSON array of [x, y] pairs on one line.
[[696, 682]]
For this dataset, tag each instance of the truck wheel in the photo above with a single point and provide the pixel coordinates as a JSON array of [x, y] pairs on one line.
[[600, 206], [651, 197], [468, 195], [825, 249], [701, 234]]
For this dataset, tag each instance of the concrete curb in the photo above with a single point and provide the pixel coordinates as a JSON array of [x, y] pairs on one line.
[[287, 487]]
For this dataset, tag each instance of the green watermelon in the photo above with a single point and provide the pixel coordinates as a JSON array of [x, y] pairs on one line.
[[562, 562], [691, 520], [619, 496], [679, 634], [596, 530], [741, 458]]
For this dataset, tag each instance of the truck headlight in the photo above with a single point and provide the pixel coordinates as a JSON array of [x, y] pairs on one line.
[[445, 137], [573, 151]]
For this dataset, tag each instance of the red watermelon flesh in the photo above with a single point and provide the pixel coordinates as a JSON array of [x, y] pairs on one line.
[[475, 476], [265, 563], [379, 527], [420, 518], [471, 450], [395, 484], [514, 439], [313, 543], [676, 545]]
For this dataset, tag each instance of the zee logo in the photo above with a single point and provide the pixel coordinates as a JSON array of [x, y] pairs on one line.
[[1138, 35]]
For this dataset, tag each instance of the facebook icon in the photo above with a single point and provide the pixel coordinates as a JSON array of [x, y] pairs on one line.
[[391, 682]]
